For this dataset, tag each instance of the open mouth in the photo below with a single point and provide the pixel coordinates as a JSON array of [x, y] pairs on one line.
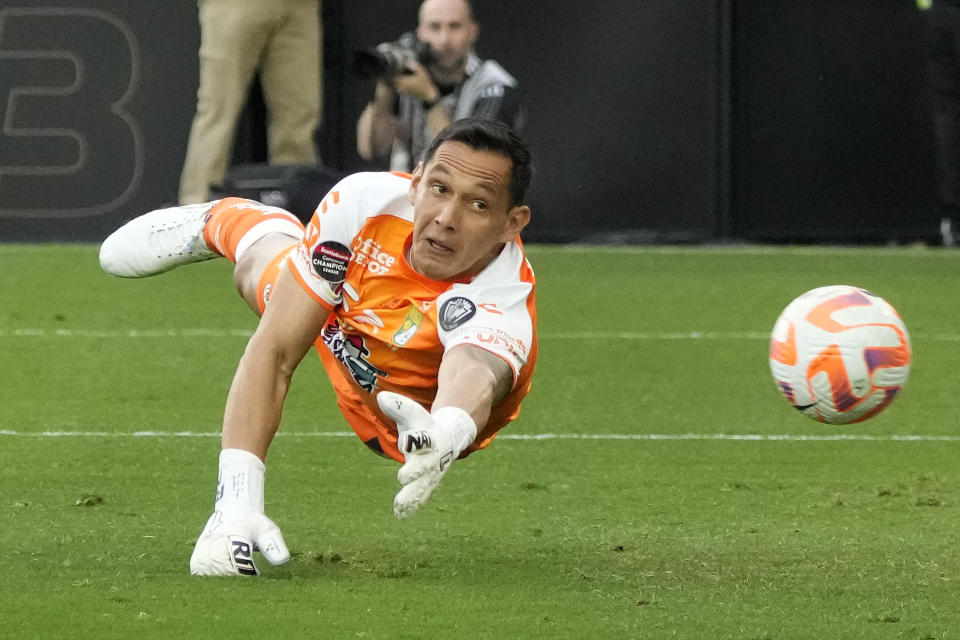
[[438, 247]]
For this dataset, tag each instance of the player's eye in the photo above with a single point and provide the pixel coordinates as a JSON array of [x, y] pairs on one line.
[[438, 188], [479, 205]]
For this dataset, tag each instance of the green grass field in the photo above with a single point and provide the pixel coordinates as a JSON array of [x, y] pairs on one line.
[[612, 508]]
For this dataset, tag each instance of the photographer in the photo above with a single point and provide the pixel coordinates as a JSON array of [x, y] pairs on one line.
[[427, 81]]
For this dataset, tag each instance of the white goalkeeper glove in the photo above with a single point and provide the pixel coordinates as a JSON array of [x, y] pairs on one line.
[[238, 526], [429, 444]]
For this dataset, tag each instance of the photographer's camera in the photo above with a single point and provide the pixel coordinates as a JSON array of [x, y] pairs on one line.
[[391, 58]]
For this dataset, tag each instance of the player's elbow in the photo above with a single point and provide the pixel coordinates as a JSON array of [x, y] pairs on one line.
[[270, 357]]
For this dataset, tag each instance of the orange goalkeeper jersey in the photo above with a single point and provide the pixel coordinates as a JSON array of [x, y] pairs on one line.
[[390, 326]]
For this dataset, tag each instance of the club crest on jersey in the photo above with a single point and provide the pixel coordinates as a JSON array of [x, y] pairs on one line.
[[455, 312], [409, 327], [330, 260]]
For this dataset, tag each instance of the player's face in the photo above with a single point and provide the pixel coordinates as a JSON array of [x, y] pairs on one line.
[[449, 29], [462, 212]]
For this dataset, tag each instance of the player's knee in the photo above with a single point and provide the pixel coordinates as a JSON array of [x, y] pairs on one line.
[[252, 266], [246, 277]]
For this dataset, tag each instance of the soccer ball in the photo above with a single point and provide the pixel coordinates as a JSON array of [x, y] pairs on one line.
[[839, 354]]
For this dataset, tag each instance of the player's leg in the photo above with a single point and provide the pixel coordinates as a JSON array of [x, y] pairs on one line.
[[257, 239], [232, 37], [247, 233], [290, 74], [257, 269], [943, 79]]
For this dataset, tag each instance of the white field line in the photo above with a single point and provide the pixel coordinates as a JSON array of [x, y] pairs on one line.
[[749, 437], [751, 249], [126, 333], [625, 335], [576, 335]]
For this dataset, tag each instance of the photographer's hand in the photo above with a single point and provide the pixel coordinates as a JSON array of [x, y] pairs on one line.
[[377, 125], [417, 83]]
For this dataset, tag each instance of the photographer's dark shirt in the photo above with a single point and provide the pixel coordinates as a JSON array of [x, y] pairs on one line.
[[488, 92]]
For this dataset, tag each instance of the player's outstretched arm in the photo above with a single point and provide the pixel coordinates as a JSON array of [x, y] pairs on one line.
[[470, 381], [289, 326], [238, 525]]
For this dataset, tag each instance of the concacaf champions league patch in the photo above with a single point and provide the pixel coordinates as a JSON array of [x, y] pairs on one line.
[[455, 312], [330, 260]]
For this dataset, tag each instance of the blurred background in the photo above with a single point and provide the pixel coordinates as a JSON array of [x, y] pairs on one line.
[[677, 121]]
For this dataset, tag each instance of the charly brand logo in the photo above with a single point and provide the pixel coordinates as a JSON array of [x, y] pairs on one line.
[[267, 290], [455, 312], [330, 260]]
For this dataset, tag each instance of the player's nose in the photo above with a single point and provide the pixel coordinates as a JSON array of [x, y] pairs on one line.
[[447, 215]]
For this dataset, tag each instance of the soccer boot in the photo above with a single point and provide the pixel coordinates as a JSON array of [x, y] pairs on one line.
[[157, 241]]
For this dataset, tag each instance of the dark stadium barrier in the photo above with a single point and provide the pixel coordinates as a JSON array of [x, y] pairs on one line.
[[656, 121]]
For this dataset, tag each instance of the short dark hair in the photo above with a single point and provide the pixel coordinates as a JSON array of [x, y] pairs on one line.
[[483, 134]]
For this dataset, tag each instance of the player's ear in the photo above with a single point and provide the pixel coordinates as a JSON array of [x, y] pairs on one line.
[[415, 182], [517, 219]]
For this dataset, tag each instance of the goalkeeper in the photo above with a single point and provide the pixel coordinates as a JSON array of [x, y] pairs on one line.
[[415, 292]]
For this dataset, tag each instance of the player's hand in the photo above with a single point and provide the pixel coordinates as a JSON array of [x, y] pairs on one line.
[[417, 440], [238, 526], [226, 546], [429, 446]]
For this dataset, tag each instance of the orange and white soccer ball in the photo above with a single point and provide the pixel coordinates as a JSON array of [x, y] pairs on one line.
[[840, 354]]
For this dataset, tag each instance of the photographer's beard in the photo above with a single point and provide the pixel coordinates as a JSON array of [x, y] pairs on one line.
[[449, 69]]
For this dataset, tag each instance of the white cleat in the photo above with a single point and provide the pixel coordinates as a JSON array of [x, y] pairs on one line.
[[157, 241]]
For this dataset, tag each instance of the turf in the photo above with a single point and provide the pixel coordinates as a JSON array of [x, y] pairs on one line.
[[667, 530]]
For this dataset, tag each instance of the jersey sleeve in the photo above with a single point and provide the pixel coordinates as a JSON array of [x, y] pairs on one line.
[[494, 318], [320, 262]]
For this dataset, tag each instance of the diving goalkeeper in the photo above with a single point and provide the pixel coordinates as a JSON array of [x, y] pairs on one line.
[[415, 292]]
